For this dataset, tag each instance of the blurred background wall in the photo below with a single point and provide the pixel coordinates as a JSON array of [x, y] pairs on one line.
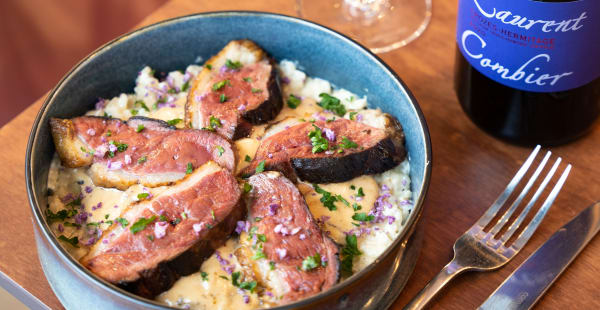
[[42, 39]]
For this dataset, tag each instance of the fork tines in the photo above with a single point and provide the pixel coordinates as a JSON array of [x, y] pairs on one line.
[[522, 239]]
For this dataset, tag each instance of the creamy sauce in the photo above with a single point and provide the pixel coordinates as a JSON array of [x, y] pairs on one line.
[[339, 221], [214, 290], [208, 289]]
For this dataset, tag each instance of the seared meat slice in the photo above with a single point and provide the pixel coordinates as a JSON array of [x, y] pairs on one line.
[[156, 241], [237, 88], [141, 150], [340, 150], [302, 260]]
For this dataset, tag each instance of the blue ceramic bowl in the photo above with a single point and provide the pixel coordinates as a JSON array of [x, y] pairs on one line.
[[175, 43]]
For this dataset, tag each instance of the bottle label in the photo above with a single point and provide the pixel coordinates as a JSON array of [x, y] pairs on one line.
[[531, 45]]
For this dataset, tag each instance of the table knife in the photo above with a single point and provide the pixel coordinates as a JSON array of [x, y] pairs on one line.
[[524, 287]]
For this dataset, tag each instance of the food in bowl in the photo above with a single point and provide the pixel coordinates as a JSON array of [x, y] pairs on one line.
[[143, 191]]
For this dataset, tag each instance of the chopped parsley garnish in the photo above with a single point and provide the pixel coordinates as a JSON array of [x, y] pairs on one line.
[[69, 224], [352, 187], [150, 237], [353, 115], [108, 133], [142, 104], [142, 159], [272, 265], [142, 196], [141, 224], [123, 221], [174, 121], [134, 112], [224, 277], [247, 187], [233, 65], [139, 128], [248, 79], [208, 66], [347, 143], [185, 86], [73, 203], [72, 241], [222, 98], [327, 199], [360, 192], [220, 150], [362, 217], [107, 115], [259, 253], [248, 158], [213, 122], [189, 168], [261, 237], [258, 219], [106, 216], [171, 91], [212, 214], [163, 218], [183, 215], [261, 167], [356, 206], [220, 85], [293, 101], [349, 251], [311, 262], [250, 286], [256, 90], [235, 277], [204, 276], [58, 216], [342, 199], [319, 143], [332, 104]]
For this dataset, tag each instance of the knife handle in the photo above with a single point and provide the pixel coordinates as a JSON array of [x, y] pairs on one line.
[[434, 286]]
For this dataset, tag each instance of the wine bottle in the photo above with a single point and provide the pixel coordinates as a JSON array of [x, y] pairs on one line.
[[528, 72]]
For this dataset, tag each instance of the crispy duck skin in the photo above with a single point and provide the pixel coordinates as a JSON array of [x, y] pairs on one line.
[[148, 259], [240, 95], [140, 150], [357, 149], [291, 237]]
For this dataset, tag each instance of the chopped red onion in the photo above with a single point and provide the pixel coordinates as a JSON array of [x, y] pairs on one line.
[[61, 228], [91, 132], [88, 189], [277, 228], [197, 227], [112, 148], [160, 229], [285, 80], [246, 299], [281, 252], [270, 155], [269, 294], [242, 226], [295, 230], [114, 165], [273, 209], [100, 104], [359, 117], [242, 107], [127, 159], [302, 236], [329, 134]]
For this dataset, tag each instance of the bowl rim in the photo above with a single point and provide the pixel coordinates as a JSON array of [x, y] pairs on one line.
[[40, 220]]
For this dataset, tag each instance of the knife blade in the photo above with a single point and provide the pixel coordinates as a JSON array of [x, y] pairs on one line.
[[524, 287]]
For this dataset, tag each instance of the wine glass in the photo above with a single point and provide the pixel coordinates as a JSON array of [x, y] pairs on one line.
[[380, 25]]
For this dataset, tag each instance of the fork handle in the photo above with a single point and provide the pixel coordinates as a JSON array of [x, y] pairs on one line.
[[434, 286]]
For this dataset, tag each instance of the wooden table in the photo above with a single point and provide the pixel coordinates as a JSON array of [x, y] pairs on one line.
[[469, 169]]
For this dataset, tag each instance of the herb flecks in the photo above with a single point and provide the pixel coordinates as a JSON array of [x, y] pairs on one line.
[[349, 251], [260, 167], [311, 262], [141, 224], [233, 65], [332, 104], [293, 101], [219, 85], [319, 143], [72, 241], [347, 143], [174, 121], [327, 199]]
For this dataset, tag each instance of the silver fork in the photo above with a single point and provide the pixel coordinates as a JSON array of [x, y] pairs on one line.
[[479, 250]]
